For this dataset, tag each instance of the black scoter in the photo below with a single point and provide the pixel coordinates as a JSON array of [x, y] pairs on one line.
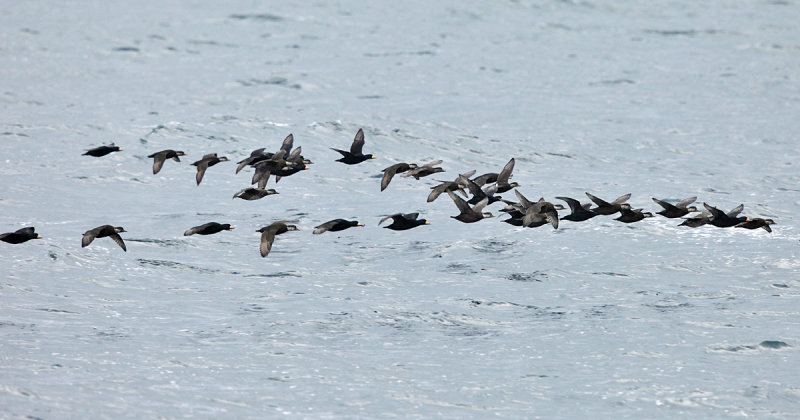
[[208, 229], [355, 155], [19, 236], [102, 150]]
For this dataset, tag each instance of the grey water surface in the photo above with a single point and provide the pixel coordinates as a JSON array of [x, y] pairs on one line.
[[593, 320]]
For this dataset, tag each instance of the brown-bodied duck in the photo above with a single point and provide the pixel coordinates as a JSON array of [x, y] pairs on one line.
[[102, 232], [422, 171], [268, 234], [457, 185], [397, 168], [160, 157], [208, 160]]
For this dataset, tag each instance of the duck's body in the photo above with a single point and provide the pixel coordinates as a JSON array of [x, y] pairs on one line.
[[335, 225], [393, 170], [630, 215], [208, 160], [703, 218], [579, 212], [102, 150], [404, 221], [604, 207], [540, 213], [756, 223], [20, 235], [160, 157], [676, 210], [268, 234], [422, 171], [722, 219], [458, 185], [469, 214], [355, 154], [208, 229], [251, 193], [102, 232]]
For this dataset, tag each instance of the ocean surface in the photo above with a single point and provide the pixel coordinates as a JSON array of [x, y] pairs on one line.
[[597, 319]]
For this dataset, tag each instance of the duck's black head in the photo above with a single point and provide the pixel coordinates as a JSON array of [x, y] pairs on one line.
[[119, 229]]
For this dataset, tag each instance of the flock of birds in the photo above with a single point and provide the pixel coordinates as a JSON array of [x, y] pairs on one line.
[[483, 189]]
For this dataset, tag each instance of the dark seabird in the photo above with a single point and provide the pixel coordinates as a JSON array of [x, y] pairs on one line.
[[19, 236], [290, 168], [268, 234], [101, 232], [502, 178], [251, 193], [516, 210], [457, 185], [102, 150], [540, 213], [295, 162], [756, 223], [265, 168], [606, 208], [259, 154], [354, 155], [391, 171], [722, 219], [679, 209], [210, 159], [160, 157], [404, 221], [208, 229], [479, 193], [422, 171], [469, 214], [703, 218], [255, 156], [335, 225], [630, 215], [579, 212]]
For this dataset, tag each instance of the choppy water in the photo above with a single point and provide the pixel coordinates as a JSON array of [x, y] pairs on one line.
[[596, 319]]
